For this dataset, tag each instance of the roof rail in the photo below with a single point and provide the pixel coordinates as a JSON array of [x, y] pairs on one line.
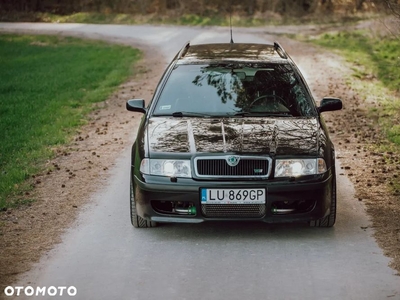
[[279, 49], [184, 49]]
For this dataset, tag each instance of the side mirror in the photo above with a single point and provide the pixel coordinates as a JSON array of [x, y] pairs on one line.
[[330, 104], [136, 105]]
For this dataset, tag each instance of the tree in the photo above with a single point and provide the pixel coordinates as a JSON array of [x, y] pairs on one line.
[[393, 6]]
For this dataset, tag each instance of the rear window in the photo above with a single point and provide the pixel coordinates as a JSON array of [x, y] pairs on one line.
[[229, 89]]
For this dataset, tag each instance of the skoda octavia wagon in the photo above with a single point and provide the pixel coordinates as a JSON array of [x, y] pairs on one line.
[[232, 133]]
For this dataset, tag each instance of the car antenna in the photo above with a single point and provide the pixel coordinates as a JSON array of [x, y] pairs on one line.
[[230, 22]]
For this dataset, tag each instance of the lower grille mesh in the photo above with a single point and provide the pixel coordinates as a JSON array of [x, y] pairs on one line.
[[233, 210]]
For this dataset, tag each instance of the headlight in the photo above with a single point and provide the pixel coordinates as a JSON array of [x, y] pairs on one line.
[[166, 167], [299, 167]]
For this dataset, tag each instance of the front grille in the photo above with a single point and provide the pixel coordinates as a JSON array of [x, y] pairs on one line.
[[233, 210], [218, 167]]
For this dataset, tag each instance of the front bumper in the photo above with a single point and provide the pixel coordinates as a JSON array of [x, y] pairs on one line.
[[287, 200]]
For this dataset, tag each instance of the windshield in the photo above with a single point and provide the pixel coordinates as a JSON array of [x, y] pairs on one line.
[[233, 89]]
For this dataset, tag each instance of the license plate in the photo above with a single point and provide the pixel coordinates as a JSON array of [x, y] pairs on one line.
[[232, 196]]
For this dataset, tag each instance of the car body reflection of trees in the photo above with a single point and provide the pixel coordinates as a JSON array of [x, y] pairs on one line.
[[242, 87], [257, 135]]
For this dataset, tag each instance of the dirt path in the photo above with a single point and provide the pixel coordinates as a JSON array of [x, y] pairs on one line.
[[82, 167]]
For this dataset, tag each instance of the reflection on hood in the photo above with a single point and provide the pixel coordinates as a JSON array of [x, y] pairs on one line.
[[238, 135]]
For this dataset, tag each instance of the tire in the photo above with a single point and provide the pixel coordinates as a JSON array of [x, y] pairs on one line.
[[138, 221], [330, 219]]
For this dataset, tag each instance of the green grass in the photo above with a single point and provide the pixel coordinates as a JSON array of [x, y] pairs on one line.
[[208, 18], [184, 19], [373, 58], [47, 86], [190, 19], [379, 56]]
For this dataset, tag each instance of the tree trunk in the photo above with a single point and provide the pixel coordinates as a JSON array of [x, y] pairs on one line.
[[251, 7], [161, 7], [359, 4]]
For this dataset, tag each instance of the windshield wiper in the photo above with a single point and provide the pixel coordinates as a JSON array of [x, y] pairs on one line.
[[262, 114], [179, 114]]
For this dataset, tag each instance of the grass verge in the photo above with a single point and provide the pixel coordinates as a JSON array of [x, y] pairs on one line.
[[376, 65], [209, 18], [112, 18], [47, 86]]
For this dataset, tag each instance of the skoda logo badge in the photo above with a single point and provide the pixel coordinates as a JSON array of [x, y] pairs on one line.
[[232, 160]]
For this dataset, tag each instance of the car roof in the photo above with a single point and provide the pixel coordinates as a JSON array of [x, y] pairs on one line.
[[238, 52]]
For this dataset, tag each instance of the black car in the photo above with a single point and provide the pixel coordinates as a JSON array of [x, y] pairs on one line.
[[233, 133]]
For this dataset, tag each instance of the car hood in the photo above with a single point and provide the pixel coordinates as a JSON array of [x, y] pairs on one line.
[[281, 136]]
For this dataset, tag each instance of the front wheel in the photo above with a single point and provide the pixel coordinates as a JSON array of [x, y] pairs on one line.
[[330, 219], [138, 221]]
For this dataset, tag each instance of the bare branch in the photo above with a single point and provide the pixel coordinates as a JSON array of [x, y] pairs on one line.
[[394, 7]]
